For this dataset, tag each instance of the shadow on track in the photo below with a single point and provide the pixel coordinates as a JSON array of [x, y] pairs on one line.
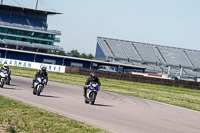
[[10, 88], [13, 85], [103, 105], [49, 96]]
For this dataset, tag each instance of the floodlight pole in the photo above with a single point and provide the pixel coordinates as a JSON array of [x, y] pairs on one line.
[[36, 5], [1, 2]]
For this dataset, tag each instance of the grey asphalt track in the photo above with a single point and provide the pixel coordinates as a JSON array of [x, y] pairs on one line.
[[112, 112]]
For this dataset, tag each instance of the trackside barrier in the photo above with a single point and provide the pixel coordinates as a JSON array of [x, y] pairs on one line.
[[135, 78], [33, 65]]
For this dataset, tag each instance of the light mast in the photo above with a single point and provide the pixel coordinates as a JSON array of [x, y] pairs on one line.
[[36, 5]]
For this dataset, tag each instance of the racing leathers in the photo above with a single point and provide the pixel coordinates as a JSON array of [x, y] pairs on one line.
[[88, 81], [40, 73], [7, 70]]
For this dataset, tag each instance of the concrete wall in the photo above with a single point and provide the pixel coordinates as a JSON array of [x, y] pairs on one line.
[[135, 78]]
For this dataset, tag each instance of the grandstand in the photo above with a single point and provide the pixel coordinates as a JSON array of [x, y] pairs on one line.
[[27, 29], [175, 62]]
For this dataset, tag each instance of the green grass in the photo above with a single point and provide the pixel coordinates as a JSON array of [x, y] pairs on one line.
[[183, 97], [23, 118], [20, 117]]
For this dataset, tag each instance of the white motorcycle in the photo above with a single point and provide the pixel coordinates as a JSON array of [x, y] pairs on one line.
[[39, 85], [3, 78]]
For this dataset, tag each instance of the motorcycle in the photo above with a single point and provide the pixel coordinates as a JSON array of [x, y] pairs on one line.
[[39, 85], [3, 78], [91, 93]]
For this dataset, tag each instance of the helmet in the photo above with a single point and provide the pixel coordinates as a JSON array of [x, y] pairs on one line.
[[5, 66], [92, 75], [44, 69]]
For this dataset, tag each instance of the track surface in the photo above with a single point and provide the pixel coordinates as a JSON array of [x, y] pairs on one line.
[[113, 112]]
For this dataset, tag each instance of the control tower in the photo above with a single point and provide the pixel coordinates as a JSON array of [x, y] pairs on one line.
[[27, 29]]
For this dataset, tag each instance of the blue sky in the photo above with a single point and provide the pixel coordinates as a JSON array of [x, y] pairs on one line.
[[163, 22]]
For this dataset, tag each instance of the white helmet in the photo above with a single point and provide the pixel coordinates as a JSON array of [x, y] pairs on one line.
[[5, 66]]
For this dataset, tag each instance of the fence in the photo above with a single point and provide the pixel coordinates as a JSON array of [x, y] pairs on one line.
[[135, 78]]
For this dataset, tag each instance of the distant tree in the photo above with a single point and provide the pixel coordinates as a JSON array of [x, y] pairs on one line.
[[61, 53], [83, 55], [90, 56], [75, 53]]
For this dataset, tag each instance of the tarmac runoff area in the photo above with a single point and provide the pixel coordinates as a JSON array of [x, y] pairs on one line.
[[111, 111]]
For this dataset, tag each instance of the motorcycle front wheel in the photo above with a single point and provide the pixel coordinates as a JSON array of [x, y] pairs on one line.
[[39, 90], [2, 84], [93, 98]]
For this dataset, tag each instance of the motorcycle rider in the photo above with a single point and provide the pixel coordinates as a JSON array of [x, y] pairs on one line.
[[92, 78], [7, 69], [39, 73]]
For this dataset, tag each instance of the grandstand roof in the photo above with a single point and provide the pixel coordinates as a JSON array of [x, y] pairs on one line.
[[148, 44], [15, 8]]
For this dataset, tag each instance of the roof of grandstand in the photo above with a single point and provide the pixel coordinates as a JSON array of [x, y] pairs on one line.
[[15, 8]]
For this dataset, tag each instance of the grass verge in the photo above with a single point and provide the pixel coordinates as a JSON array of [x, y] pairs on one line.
[[25, 118], [19, 117], [183, 97]]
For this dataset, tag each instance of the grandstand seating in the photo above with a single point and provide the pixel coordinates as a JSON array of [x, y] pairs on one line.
[[182, 58], [155, 58], [194, 57], [116, 49], [130, 51], [105, 49], [168, 56], [148, 53]]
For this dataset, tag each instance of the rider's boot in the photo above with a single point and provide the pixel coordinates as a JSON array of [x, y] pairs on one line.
[[33, 83], [84, 91], [32, 86]]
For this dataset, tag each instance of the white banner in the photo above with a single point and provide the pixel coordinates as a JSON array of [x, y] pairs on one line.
[[34, 65]]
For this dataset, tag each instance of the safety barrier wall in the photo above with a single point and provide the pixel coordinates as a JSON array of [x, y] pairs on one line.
[[135, 78], [34, 65]]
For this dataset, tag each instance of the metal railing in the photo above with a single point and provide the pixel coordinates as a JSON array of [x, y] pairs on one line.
[[29, 27]]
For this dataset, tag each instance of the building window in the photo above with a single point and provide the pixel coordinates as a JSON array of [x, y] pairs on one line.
[[49, 61], [74, 64]]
